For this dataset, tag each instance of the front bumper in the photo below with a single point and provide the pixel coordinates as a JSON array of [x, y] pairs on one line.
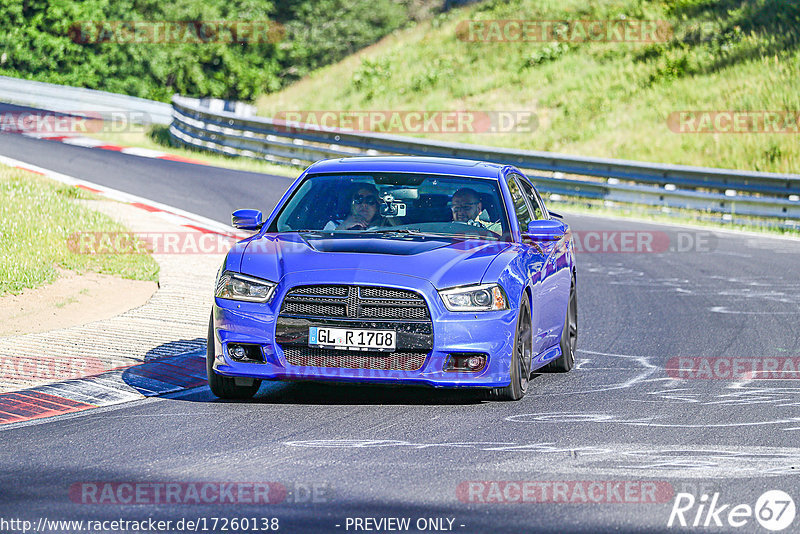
[[488, 333]]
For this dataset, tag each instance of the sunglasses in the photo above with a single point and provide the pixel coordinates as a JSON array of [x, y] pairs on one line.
[[370, 200], [463, 207]]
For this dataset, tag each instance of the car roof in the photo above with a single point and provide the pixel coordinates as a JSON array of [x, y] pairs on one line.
[[416, 164]]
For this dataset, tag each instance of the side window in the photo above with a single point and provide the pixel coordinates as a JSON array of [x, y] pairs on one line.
[[520, 206], [545, 212], [533, 199]]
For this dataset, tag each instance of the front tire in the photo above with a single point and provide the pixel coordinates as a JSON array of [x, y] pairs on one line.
[[520, 359], [569, 336], [225, 387]]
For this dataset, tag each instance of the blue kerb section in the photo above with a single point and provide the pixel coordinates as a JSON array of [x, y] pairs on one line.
[[167, 375]]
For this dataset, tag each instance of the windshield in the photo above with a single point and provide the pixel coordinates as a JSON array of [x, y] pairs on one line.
[[396, 204]]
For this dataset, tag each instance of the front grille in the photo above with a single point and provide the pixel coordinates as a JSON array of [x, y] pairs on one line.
[[385, 361], [320, 310], [325, 291], [381, 312], [387, 293], [355, 302]]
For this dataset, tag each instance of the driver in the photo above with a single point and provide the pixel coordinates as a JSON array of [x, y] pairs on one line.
[[467, 208], [364, 209]]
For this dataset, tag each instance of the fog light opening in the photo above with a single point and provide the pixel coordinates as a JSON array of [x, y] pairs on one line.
[[246, 353], [475, 362], [466, 362]]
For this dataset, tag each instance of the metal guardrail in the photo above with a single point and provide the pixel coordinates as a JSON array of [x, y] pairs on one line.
[[64, 98], [674, 186]]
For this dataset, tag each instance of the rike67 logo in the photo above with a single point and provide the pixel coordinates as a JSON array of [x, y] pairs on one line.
[[774, 510]]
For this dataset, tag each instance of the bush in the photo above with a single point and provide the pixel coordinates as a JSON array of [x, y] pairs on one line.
[[38, 41]]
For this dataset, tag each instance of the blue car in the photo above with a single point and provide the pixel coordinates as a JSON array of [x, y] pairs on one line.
[[397, 270]]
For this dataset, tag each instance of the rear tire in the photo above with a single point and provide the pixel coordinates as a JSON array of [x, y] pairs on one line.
[[520, 358], [225, 387], [569, 336]]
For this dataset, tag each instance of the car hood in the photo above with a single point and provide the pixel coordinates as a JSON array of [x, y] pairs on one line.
[[445, 262]]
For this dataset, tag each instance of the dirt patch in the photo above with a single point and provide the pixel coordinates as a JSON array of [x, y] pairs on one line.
[[71, 300]]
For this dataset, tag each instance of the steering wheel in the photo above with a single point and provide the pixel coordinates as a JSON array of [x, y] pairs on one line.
[[480, 229]]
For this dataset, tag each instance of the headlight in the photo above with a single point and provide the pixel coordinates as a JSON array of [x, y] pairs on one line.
[[237, 286], [485, 297]]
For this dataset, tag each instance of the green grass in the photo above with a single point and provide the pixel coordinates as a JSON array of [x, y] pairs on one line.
[[593, 99], [37, 217]]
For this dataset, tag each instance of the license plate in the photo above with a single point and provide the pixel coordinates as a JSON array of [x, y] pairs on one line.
[[351, 338]]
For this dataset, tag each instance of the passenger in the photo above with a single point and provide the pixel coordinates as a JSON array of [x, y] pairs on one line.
[[364, 212], [467, 208]]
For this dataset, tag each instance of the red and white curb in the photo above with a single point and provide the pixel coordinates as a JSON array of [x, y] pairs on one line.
[[89, 142], [135, 382], [169, 213]]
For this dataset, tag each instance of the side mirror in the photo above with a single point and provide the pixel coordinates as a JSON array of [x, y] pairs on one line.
[[545, 230], [247, 220]]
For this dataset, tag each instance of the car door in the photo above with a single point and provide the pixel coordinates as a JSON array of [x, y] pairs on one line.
[[540, 263]]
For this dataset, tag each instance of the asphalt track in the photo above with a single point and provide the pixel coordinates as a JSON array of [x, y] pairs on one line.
[[379, 452]]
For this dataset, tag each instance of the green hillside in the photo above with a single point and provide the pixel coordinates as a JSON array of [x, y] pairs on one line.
[[611, 99]]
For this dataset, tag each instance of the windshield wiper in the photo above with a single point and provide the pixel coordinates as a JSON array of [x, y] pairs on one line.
[[409, 231], [414, 231], [314, 232]]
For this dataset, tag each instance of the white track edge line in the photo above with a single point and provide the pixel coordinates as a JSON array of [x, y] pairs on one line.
[[122, 196]]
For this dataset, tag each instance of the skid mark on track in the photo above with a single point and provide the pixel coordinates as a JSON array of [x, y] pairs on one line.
[[643, 369], [645, 383], [724, 309], [499, 446], [559, 418], [623, 459]]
